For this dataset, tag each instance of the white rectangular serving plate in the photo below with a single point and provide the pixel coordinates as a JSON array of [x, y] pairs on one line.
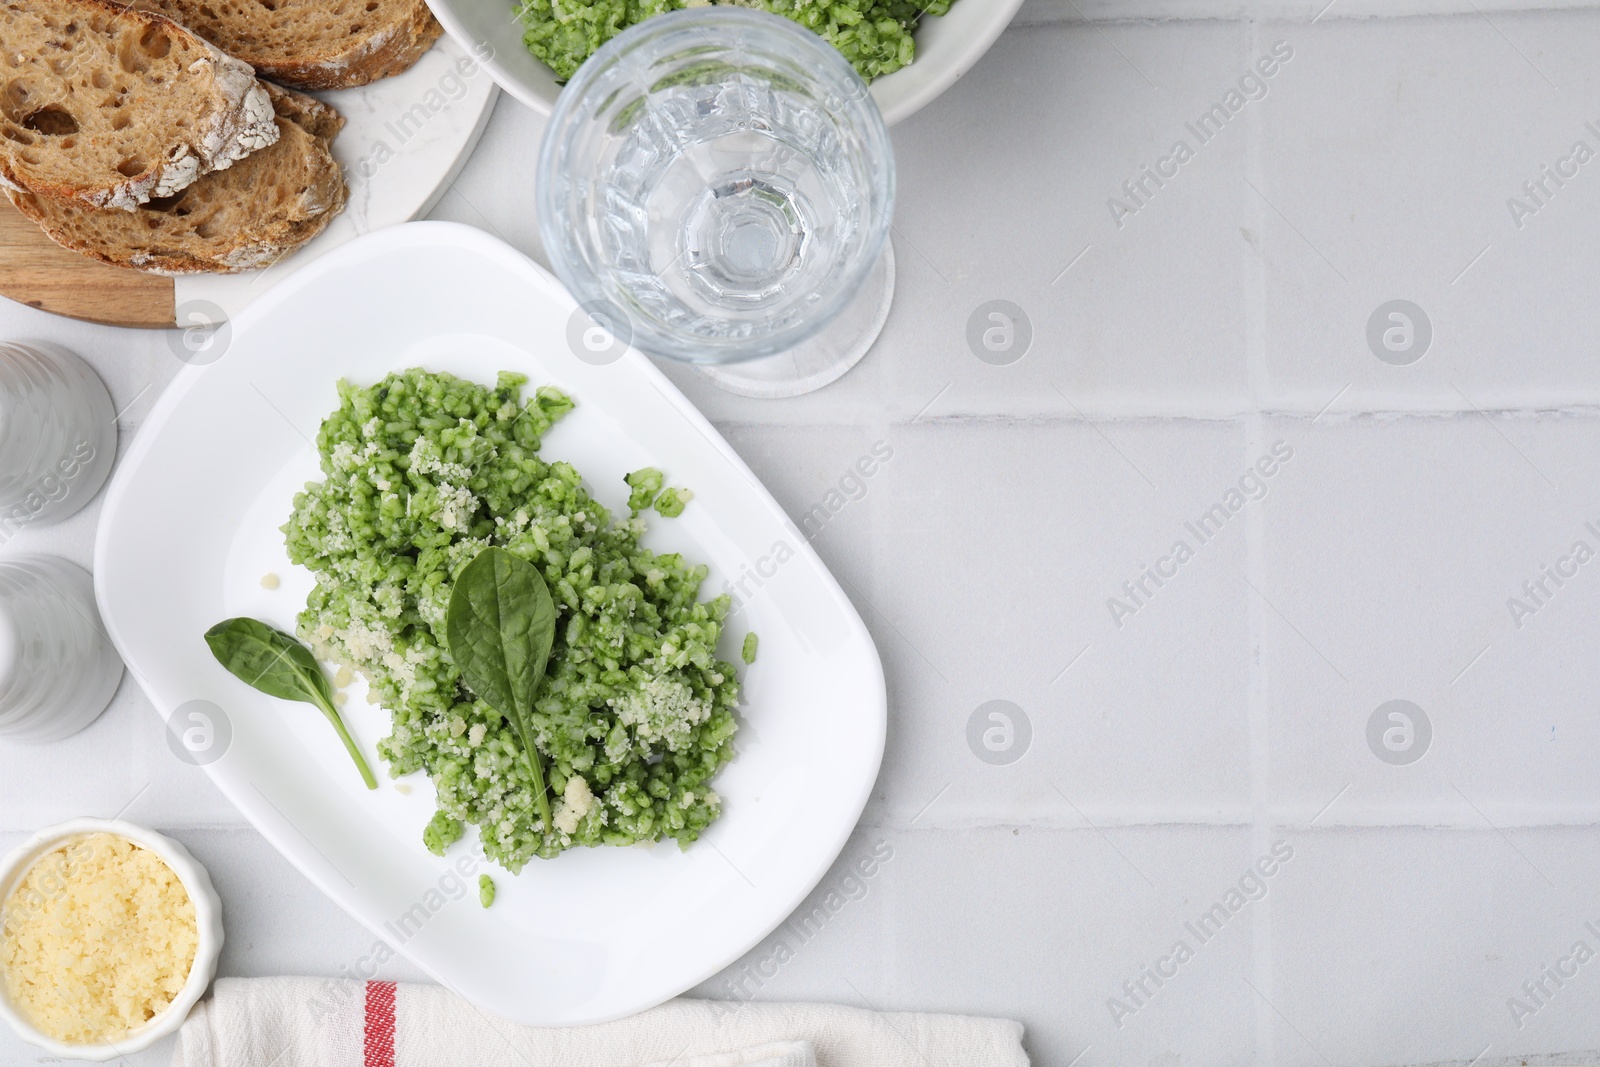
[[190, 527]]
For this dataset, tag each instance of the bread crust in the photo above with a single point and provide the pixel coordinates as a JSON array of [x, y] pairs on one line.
[[389, 51], [263, 242], [243, 124], [174, 262], [382, 55]]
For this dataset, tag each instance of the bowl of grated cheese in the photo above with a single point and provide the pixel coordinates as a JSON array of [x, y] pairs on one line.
[[109, 934]]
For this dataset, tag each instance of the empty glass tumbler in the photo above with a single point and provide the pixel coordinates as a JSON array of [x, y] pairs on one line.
[[715, 186], [58, 669]]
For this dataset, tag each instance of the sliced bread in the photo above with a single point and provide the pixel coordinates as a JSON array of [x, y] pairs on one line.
[[242, 218], [312, 44], [112, 107]]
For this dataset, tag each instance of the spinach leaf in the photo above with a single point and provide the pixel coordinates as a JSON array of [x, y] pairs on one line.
[[500, 625], [278, 665]]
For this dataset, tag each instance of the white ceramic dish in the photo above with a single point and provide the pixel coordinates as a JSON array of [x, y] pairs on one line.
[[190, 526], [208, 918], [404, 140], [947, 47]]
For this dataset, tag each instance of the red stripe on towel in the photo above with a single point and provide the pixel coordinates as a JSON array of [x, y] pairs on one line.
[[379, 1032]]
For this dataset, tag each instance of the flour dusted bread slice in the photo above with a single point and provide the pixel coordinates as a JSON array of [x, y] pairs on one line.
[[245, 217], [312, 44], [111, 107]]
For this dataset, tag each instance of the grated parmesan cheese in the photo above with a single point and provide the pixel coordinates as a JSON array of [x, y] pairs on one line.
[[663, 709], [98, 939], [576, 800]]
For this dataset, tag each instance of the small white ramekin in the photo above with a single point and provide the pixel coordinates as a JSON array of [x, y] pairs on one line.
[[207, 913]]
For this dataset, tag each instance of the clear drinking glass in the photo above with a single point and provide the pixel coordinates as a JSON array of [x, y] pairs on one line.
[[715, 186]]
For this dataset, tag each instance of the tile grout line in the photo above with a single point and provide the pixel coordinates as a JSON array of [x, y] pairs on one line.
[[1051, 14], [890, 961], [1301, 821], [1253, 278], [1253, 289], [883, 428], [1315, 409]]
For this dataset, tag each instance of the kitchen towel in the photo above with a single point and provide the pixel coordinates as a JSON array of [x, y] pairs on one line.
[[317, 1022]]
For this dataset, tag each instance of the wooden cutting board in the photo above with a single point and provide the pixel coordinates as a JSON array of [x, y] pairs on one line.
[[414, 124], [36, 271]]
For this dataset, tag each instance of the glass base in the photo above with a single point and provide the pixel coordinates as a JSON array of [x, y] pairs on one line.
[[824, 358]]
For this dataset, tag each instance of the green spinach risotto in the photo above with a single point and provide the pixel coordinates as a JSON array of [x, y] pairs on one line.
[[635, 712], [874, 35]]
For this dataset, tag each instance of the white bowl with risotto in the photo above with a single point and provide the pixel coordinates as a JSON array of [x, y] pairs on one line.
[[76, 874], [947, 47]]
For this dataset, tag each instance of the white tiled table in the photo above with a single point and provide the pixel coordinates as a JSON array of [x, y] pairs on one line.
[[1229, 712]]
